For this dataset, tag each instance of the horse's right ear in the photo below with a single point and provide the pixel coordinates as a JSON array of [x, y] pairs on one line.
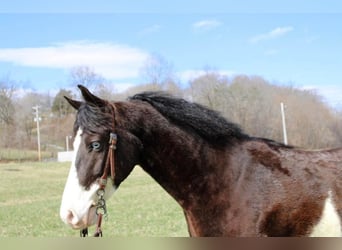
[[74, 103]]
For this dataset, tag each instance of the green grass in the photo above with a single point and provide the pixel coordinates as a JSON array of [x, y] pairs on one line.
[[18, 155], [30, 195]]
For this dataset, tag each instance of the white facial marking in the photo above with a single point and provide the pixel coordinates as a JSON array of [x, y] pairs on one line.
[[77, 207], [329, 224]]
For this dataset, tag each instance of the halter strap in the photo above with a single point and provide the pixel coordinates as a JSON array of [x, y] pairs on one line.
[[110, 162]]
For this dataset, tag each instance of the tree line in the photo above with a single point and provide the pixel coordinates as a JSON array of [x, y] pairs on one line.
[[250, 101]]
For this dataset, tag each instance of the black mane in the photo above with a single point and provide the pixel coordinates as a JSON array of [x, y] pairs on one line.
[[208, 124]]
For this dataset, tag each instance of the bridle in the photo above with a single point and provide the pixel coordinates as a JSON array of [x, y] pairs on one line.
[[101, 209]]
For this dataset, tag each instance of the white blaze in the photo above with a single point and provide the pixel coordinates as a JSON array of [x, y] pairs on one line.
[[77, 208], [329, 225]]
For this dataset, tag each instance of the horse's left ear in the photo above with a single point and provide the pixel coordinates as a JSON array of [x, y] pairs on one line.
[[75, 104], [90, 98]]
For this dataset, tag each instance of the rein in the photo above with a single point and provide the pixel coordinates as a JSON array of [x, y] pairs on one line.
[[101, 209]]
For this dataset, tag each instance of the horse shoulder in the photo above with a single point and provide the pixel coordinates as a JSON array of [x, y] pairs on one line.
[[262, 153]]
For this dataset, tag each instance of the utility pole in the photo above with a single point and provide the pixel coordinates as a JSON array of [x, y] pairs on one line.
[[282, 108], [67, 142], [37, 119]]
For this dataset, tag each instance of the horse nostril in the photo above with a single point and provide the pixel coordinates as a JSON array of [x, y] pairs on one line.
[[71, 217]]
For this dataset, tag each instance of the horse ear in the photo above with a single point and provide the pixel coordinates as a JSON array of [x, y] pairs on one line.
[[90, 98], [73, 103]]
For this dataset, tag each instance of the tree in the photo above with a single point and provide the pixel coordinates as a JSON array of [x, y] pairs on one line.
[[254, 104], [251, 104], [60, 107], [158, 74], [6, 104], [157, 70], [25, 126], [6, 109], [210, 89], [336, 128], [85, 76]]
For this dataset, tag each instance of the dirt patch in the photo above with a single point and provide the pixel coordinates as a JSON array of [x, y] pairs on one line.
[[12, 169]]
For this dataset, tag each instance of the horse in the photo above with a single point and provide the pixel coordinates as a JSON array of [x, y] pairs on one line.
[[227, 182]]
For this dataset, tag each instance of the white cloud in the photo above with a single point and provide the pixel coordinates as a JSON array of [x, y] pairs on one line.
[[206, 24], [275, 33], [108, 59]]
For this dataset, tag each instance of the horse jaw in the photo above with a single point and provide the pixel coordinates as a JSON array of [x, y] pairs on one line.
[[78, 204]]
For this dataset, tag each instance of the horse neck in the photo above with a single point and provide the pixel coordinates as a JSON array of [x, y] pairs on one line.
[[184, 164], [190, 169]]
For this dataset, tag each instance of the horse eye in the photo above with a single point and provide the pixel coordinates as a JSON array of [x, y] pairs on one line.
[[95, 145]]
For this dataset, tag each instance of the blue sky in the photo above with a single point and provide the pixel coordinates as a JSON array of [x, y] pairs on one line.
[[296, 43]]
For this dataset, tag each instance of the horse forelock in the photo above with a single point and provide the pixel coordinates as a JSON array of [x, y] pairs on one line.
[[93, 119]]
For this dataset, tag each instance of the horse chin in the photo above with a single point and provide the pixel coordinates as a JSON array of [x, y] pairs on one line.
[[92, 216]]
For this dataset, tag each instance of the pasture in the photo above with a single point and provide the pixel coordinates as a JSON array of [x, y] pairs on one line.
[[30, 195]]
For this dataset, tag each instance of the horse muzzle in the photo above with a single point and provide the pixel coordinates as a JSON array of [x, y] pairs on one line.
[[79, 222]]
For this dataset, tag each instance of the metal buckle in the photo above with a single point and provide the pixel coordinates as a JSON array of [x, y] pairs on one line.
[[113, 137]]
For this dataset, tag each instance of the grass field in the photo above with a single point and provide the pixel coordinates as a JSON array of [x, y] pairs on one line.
[[20, 155], [30, 195]]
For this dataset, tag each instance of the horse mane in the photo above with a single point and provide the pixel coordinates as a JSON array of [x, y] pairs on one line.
[[206, 123]]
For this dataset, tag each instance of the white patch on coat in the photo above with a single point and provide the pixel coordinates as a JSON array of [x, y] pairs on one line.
[[329, 225], [77, 207]]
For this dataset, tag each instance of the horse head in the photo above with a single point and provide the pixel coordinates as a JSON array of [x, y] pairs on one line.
[[96, 121]]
